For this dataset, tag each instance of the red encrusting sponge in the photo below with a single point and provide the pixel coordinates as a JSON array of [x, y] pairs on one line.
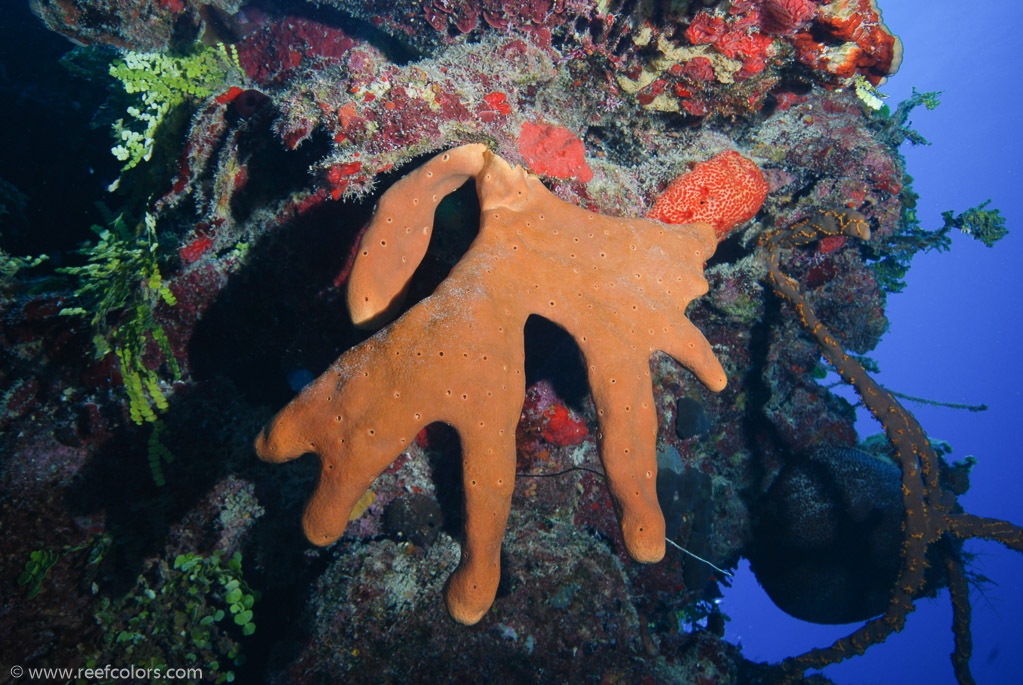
[[725, 191]]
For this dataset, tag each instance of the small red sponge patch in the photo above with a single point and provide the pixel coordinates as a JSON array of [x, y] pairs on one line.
[[554, 151]]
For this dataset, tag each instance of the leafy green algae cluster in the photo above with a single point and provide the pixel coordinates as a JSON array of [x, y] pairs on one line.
[[119, 286], [894, 257], [161, 82], [192, 613], [891, 260]]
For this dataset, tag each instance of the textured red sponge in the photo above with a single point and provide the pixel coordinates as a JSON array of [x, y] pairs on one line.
[[725, 191]]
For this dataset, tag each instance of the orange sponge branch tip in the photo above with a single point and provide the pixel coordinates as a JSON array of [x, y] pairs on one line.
[[399, 234]]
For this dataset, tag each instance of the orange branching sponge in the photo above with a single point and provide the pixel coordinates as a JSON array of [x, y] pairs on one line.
[[620, 287], [725, 191]]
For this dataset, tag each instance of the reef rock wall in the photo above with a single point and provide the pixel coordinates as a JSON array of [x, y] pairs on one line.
[[252, 142]]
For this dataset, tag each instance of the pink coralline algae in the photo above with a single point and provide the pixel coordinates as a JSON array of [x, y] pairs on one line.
[[698, 69], [752, 50], [706, 29], [725, 59], [736, 39], [554, 151], [272, 53], [786, 16], [465, 15]]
